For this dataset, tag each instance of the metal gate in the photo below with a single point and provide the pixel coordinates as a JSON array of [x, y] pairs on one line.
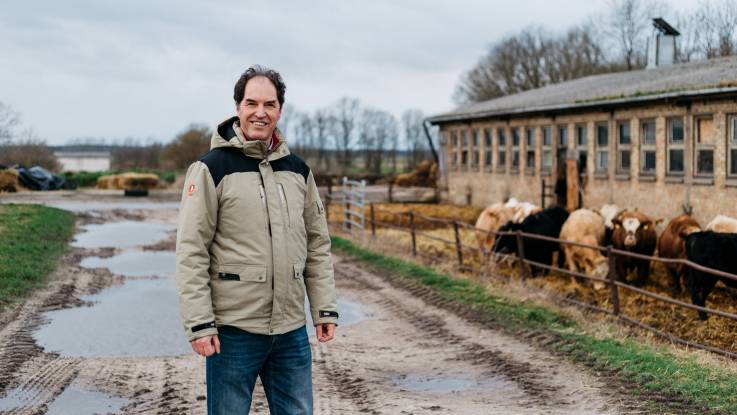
[[354, 200]]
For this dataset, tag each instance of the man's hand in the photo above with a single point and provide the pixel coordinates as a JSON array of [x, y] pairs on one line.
[[206, 346], [325, 332]]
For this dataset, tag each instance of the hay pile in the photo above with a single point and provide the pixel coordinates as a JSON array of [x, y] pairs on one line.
[[389, 212], [128, 181], [9, 180], [425, 174]]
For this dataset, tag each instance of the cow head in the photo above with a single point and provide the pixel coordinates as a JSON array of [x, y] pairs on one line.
[[634, 225]]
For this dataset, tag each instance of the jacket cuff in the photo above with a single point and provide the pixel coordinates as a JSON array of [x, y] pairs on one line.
[[324, 316], [202, 330]]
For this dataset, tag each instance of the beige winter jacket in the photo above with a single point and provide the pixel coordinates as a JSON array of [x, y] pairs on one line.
[[251, 240]]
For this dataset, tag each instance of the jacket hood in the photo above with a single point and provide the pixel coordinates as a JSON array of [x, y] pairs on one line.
[[226, 135]]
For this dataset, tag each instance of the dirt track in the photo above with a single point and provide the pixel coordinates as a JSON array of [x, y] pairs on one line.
[[401, 355]]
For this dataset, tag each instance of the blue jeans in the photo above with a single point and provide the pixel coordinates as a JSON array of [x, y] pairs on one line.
[[283, 362]]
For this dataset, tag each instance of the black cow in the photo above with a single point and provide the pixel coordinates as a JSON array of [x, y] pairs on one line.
[[546, 223], [713, 250]]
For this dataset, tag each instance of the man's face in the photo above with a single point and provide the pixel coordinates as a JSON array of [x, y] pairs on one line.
[[259, 111]]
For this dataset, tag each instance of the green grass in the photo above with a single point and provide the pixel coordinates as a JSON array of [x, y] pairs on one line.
[[653, 369], [32, 238]]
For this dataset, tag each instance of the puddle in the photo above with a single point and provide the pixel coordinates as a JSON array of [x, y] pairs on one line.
[[139, 318], [350, 311], [72, 401], [441, 384], [76, 401], [121, 234], [136, 263], [92, 206]]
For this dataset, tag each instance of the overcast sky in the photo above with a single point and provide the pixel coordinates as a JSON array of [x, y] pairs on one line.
[[143, 68]]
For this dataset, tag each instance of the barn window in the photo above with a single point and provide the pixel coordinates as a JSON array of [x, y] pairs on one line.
[[501, 161], [675, 146], [464, 150], [474, 149], [602, 148], [547, 154], [562, 136], [623, 147], [530, 150], [704, 143], [582, 143], [453, 150], [732, 145], [647, 147], [515, 149], [487, 148]]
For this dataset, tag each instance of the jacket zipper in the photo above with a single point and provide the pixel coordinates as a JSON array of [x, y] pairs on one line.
[[283, 200], [262, 193]]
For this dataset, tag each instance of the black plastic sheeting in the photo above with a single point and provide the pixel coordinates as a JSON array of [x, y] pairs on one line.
[[38, 178]]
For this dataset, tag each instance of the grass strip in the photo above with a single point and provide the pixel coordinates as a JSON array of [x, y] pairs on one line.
[[32, 238], [655, 369]]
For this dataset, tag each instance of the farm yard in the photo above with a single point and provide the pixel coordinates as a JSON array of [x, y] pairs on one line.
[[436, 244]]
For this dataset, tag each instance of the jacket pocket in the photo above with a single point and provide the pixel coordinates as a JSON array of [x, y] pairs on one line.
[[241, 290], [283, 200]]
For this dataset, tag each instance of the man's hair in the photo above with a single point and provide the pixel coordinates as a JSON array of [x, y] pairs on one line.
[[258, 70]]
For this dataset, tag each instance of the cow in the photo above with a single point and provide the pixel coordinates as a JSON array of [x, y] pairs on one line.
[[547, 223], [608, 213], [489, 221], [713, 250], [584, 226], [634, 232], [672, 244], [723, 224]]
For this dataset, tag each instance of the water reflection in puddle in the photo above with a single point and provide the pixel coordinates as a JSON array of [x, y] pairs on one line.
[[121, 234], [91, 206], [440, 384], [139, 318], [136, 263], [72, 401], [350, 312]]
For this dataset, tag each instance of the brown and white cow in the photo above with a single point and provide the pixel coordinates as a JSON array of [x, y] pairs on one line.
[[672, 244], [634, 232], [586, 227], [722, 224], [489, 221]]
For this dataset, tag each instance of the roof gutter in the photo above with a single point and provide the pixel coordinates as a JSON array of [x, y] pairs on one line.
[[604, 103]]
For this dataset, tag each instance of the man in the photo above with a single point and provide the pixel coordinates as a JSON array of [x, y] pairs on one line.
[[252, 239]]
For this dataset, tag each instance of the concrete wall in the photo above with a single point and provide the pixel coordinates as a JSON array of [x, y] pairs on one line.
[[659, 194]]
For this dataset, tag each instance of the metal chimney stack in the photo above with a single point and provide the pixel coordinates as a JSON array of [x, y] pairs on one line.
[[662, 48]]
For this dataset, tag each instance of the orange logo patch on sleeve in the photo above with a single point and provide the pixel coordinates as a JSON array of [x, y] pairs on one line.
[[190, 190]]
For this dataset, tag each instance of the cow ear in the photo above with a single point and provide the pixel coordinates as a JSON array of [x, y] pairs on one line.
[[659, 221]]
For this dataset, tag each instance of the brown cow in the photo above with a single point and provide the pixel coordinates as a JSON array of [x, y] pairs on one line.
[[490, 220], [672, 244], [634, 232]]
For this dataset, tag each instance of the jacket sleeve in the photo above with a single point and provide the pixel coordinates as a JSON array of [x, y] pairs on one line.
[[195, 229], [319, 279]]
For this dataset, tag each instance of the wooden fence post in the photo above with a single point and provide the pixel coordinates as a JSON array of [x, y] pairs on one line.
[[412, 230], [459, 249], [373, 219], [612, 277], [521, 256]]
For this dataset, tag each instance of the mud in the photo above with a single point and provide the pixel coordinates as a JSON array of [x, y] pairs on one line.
[[400, 349]]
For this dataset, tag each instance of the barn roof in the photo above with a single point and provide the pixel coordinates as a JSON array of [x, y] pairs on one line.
[[692, 79]]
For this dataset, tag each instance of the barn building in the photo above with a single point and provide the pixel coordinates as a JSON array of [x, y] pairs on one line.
[[75, 158], [662, 139]]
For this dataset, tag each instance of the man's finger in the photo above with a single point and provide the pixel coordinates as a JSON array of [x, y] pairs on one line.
[[208, 349], [330, 332], [216, 342]]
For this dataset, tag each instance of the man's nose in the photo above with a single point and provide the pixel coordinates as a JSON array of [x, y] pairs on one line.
[[260, 111]]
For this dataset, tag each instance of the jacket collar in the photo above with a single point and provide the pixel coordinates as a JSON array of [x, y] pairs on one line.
[[229, 134]]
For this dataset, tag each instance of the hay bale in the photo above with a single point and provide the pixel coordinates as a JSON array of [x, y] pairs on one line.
[[9, 180], [425, 175], [105, 182], [137, 181]]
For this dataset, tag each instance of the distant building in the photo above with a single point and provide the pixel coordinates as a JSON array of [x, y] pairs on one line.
[[662, 139], [83, 158]]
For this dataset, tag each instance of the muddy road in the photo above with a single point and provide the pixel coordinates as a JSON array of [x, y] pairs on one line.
[[105, 337]]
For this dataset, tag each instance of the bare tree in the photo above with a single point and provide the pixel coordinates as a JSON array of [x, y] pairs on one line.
[[627, 27], [345, 113], [28, 150], [414, 135], [287, 119], [187, 147], [716, 21], [9, 119], [378, 135]]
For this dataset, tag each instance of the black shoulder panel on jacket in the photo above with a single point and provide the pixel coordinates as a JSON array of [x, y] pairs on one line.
[[291, 163], [228, 160]]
